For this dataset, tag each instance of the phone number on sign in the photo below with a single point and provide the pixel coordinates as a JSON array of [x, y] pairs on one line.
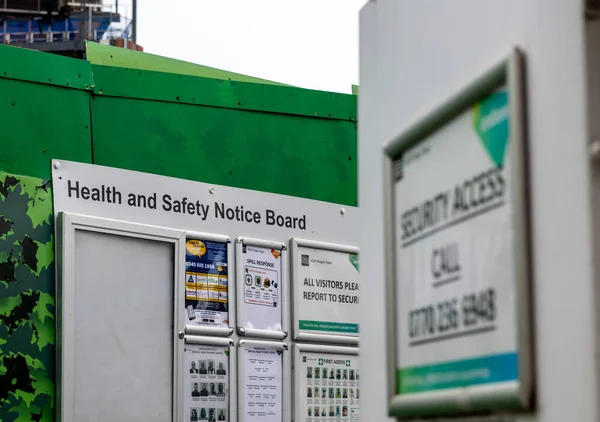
[[470, 311]]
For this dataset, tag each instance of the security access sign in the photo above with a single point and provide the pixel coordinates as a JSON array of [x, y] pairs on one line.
[[455, 267], [326, 290]]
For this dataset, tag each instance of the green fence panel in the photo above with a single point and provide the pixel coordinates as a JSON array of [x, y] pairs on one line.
[[107, 55], [275, 139], [44, 110]]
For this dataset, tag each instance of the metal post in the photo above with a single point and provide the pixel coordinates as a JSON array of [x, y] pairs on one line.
[[134, 22], [82, 23]]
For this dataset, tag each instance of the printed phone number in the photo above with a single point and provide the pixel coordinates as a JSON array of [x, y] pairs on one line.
[[467, 312]]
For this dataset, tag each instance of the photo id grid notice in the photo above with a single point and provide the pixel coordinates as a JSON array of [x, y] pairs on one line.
[[207, 387], [329, 387]]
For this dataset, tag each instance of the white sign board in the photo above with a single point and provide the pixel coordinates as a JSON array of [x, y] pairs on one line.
[[326, 384], [458, 278], [207, 386], [456, 270], [199, 220], [326, 291], [261, 378]]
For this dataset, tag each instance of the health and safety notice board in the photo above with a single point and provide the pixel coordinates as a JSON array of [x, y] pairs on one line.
[[266, 295]]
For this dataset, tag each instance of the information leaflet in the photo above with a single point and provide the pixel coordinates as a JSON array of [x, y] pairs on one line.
[[206, 283], [329, 387], [456, 277], [262, 288], [327, 291], [207, 383], [263, 384]]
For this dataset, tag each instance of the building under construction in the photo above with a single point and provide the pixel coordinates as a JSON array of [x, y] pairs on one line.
[[62, 26]]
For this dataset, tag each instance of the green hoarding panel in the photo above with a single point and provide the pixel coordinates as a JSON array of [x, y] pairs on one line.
[[275, 139], [285, 154], [40, 122], [34, 66], [107, 55], [157, 86], [44, 110]]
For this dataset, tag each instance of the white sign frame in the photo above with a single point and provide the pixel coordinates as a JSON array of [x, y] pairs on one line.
[[300, 348], [286, 376], [222, 342], [302, 335], [67, 225], [492, 397], [284, 286], [231, 288]]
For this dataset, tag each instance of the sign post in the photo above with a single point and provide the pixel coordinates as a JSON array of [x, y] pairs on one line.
[[457, 254]]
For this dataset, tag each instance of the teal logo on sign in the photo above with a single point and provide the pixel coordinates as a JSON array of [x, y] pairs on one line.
[[353, 260], [320, 361], [347, 363], [491, 123]]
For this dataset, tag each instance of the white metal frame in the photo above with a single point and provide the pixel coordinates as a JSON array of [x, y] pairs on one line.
[[299, 349], [513, 395], [67, 226], [231, 275], [222, 342], [302, 335], [283, 291], [285, 374]]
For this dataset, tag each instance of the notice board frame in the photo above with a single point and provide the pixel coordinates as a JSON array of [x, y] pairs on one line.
[[300, 348], [67, 226], [239, 283], [507, 396], [200, 330], [301, 335], [286, 375], [221, 342]]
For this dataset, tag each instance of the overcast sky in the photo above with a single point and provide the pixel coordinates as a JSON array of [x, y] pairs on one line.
[[306, 43]]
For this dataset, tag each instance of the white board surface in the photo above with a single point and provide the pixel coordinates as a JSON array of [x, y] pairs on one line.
[[123, 358]]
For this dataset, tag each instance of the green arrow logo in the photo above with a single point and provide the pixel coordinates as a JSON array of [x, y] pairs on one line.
[[491, 123], [320, 361], [353, 260], [347, 363]]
